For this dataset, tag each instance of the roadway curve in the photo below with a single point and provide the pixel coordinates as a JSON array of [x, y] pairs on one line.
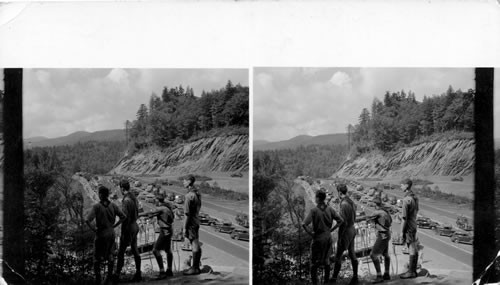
[[438, 243], [239, 249]]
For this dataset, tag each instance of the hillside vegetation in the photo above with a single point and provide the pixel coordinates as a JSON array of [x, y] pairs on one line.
[[400, 119], [312, 160], [177, 115], [93, 156]]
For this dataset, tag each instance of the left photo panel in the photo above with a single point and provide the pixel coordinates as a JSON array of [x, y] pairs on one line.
[[125, 175]]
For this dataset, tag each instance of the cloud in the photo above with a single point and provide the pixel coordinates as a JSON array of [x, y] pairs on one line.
[[295, 101], [58, 102], [340, 79]]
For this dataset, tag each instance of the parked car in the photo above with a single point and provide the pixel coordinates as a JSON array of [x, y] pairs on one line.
[[204, 218], [150, 198], [240, 234], [424, 223], [215, 223], [237, 174], [226, 227], [444, 230], [356, 196], [462, 237]]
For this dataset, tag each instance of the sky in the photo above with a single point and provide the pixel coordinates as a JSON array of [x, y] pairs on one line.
[[58, 102], [313, 101]]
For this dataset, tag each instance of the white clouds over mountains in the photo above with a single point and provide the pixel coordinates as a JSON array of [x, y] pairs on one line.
[[314, 101], [58, 102]]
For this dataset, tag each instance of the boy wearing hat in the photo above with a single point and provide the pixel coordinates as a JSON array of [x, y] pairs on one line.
[[321, 217], [383, 222], [192, 208], [410, 210]]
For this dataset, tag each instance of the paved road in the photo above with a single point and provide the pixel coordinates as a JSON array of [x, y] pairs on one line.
[[231, 247], [427, 207], [222, 241], [460, 253]]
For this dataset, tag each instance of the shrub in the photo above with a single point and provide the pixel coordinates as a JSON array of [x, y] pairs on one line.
[[199, 178]]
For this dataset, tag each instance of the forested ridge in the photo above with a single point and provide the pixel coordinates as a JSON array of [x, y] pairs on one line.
[[177, 115], [400, 119], [313, 160], [92, 157]]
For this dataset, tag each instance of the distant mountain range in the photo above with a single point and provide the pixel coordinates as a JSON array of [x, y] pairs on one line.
[[303, 140], [108, 135]]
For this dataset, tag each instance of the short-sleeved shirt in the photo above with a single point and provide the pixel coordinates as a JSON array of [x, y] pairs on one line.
[[192, 207], [383, 222], [348, 213], [131, 210], [410, 210], [105, 214], [322, 217]]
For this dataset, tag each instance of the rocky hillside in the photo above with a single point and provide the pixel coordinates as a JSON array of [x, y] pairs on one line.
[[222, 154], [446, 158]]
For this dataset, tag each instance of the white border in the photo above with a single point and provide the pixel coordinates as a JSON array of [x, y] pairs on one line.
[[237, 34]]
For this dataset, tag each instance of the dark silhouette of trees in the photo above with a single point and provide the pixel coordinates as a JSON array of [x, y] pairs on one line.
[[401, 119], [178, 115]]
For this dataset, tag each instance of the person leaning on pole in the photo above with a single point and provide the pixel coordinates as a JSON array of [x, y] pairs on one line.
[[321, 217], [105, 213], [347, 233], [409, 227], [192, 208], [165, 217], [129, 232], [383, 222]]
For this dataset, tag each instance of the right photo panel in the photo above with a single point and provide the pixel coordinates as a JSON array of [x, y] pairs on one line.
[[363, 175]]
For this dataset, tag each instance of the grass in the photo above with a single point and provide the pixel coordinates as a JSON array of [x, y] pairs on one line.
[[436, 194], [217, 192]]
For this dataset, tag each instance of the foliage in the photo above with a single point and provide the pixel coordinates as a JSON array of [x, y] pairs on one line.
[[92, 156], [219, 192], [177, 115], [280, 246], [400, 119], [313, 160], [198, 178], [56, 241], [436, 194]]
